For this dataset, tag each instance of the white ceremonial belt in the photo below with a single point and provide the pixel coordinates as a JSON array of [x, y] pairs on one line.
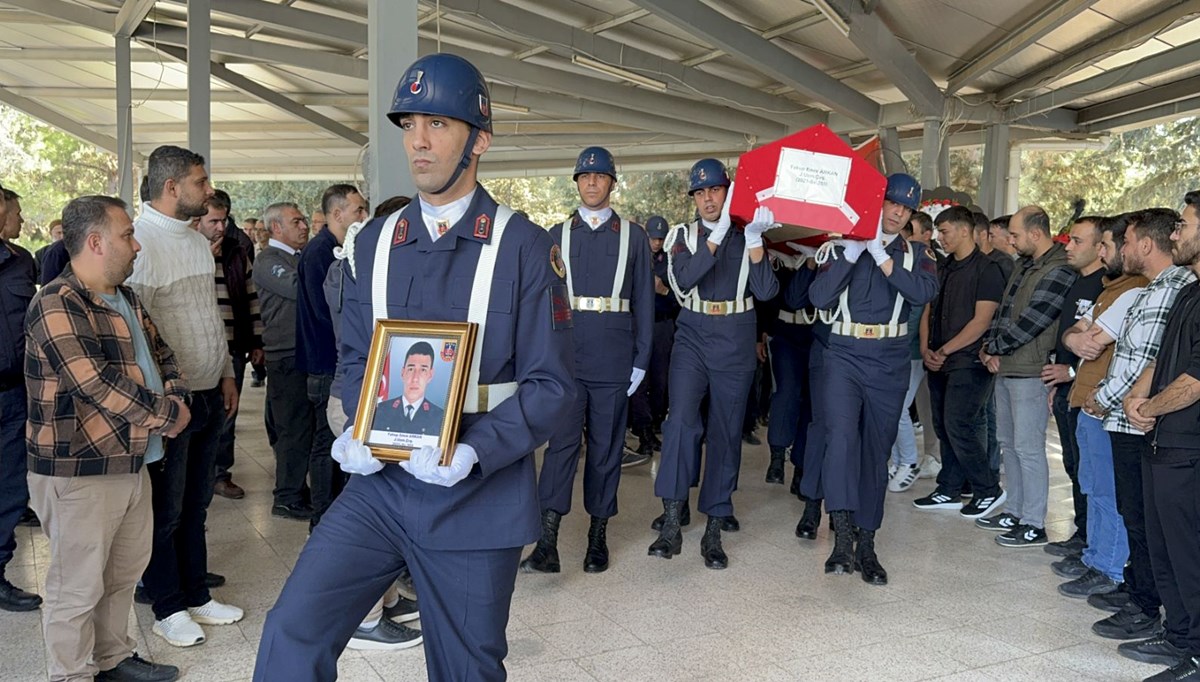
[[600, 304], [491, 395], [721, 307], [869, 331], [792, 318]]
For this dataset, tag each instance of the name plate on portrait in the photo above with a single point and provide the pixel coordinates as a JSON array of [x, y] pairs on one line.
[[414, 387]]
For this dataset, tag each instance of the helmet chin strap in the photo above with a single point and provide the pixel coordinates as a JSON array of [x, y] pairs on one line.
[[463, 163]]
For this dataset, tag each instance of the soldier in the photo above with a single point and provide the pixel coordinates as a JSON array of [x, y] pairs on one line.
[[452, 255], [866, 371], [712, 269], [607, 268]]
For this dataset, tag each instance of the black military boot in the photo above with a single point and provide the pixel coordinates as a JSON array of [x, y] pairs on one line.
[[775, 468], [797, 474], [866, 561], [841, 561], [544, 557], [730, 524], [596, 559], [810, 520], [685, 517], [710, 545], [670, 537]]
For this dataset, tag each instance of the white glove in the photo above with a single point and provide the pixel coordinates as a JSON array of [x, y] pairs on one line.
[[353, 456], [635, 380], [425, 465], [875, 247], [722, 228], [851, 248], [810, 251], [764, 219]]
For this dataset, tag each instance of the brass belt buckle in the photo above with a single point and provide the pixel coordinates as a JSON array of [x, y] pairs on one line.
[[717, 307]]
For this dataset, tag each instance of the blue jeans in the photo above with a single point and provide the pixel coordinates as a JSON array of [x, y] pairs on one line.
[[14, 491], [904, 450], [1021, 419], [1107, 543]]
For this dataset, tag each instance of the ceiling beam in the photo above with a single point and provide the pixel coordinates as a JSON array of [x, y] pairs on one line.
[[1144, 117], [1146, 99], [877, 42], [1160, 64], [275, 99], [1049, 19], [258, 50], [621, 20], [131, 15], [1066, 64], [810, 19], [71, 54], [331, 99], [566, 40], [255, 128], [292, 19], [67, 11], [752, 49], [59, 120]]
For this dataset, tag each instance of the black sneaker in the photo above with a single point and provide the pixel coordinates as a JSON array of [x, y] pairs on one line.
[[937, 500], [751, 438], [298, 511], [1023, 535], [632, 458], [1072, 546], [1072, 567], [1187, 670], [385, 636], [1091, 582], [1156, 650], [999, 523], [1111, 602], [402, 611], [29, 518], [1128, 623], [137, 669], [980, 507]]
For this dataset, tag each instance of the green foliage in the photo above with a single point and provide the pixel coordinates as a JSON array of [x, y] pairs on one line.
[[636, 197], [250, 197]]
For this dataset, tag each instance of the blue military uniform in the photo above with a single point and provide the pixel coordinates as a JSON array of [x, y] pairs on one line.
[[425, 420], [462, 543], [791, 341]]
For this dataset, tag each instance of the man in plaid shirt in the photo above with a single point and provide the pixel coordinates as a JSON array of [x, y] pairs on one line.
[[104, 391], [1147, 252]]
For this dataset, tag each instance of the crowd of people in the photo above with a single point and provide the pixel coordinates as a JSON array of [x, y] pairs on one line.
[[127, 343]]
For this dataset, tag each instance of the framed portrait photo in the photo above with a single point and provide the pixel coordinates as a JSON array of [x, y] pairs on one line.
[[413, 389]]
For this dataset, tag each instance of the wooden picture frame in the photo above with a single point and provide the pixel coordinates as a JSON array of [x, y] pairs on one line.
[[414, 386]]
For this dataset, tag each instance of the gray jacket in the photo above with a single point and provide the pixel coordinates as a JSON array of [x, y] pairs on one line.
[[275, 277]]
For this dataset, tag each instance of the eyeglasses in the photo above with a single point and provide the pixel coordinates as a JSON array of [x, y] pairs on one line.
[[1180, 224]]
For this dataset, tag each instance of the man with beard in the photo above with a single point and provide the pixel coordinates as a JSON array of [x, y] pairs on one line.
[[606, 262], [1164, 403], [174, 276]]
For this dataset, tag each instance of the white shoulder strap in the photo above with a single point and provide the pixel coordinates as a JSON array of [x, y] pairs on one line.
[[481, 296], [622, 260], [566, 255], [908, 265], [843, 310], [379, 274], [743, 274]]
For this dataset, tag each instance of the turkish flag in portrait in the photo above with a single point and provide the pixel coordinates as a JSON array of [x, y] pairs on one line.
[[383, 378]]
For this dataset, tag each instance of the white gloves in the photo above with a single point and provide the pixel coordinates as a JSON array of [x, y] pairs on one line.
[[875, 247], [810, 251], [722, 228], [764, 219], [851, 248], [635, 380], [353, 456], [425, 465]]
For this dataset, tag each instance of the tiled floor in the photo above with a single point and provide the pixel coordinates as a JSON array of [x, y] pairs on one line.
[[958, 607]]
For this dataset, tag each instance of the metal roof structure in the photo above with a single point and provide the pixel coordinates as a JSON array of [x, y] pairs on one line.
[[660, 82]]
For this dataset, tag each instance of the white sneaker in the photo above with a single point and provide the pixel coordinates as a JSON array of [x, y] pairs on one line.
[[893, 469], [930, 467], [179, 629], [904, 479], [216, 613]]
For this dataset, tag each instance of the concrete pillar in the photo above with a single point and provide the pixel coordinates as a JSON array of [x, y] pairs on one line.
[[199, 54], [125, 187], [889, 141], [931, 146], [993, 188], [391, 47]]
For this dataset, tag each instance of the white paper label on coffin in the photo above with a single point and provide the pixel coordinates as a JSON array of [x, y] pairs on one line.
[[812, 177]]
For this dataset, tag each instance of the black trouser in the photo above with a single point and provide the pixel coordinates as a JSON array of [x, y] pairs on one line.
[[648, 405], [1172, 494], [182, 488], [959, 401], [325, 479], [295, 422], [225, 442], [1067, 419], [14, 490], [1128, 452]]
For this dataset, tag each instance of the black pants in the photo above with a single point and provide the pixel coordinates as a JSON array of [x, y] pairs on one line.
[[182, 487], [1172, 494], [14, 491], [648, 405], [226, 441], [959, 399], [326, 479], [1067, 419], [1129, 450], [295, 422]]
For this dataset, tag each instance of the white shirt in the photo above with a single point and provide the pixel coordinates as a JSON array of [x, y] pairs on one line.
[[1112, 320], [446, 215], [281, 246], [595, 219]]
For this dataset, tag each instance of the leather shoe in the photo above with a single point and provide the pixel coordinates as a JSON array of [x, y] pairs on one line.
[[13, 598], [228, 489], [137, 669], [730, 524], [297, 511], [213, 580]]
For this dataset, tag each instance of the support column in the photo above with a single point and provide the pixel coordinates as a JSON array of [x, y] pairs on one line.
[[993, 186], [893, 161], [931, 145], [391, 47], [125, 186], [199, 54], [943, 167]]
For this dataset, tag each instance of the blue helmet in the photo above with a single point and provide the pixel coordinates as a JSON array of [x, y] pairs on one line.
[[443, 84], [903, 189], [656, 227], [595, 160], [707, 173]]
